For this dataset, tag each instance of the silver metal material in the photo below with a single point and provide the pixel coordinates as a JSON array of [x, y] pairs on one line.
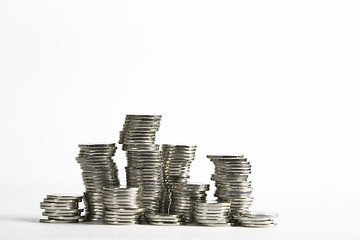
[[61, 209], [212, 213]]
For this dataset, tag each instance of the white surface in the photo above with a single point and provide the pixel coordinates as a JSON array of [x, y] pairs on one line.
[[277, 81]]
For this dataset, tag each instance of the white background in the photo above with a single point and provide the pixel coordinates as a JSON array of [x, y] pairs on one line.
[[277, 81]]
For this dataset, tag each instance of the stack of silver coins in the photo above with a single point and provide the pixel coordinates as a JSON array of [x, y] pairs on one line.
[[163, 219], [98, 171], [212, 214], [231, 182], [257, 219], [122, 205], [139, 132], [176, 166], [185, 197], [144, 169], [61, 209]]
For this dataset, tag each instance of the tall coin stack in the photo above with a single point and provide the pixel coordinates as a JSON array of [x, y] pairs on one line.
[[145, 170], [98, 171], [144, 167], [122, 205], [139, 132], [231, 181], [212, 214], [185, 197], [176, 166], [61, 209]]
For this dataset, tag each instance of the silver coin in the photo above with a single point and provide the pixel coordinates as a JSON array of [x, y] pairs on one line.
[[58, 221]]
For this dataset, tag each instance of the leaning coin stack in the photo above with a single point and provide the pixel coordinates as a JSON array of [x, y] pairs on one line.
[[139, 132], [176, 166], [61, 209], [144, 169], [185, 197], [163, 219], [98, 171], [257, 219], [231, 181], [122, 205], [212, 214]]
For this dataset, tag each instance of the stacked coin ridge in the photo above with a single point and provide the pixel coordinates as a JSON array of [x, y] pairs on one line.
[[163, 219], [61, 209], [144, 169], [212, 213], [139, 132], [176, 166], [122, 205], [257, 219], [98, 171], [231, 181], [185, 197], [144, 166]]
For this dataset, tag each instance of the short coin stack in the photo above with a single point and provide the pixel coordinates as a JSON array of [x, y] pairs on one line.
[[99, 170], [61, 209], [163, 219], [144, 169], [212, 214], [184, 197], [122, 205], [176, 166], [231, 181], [257, 219], [139, 132]]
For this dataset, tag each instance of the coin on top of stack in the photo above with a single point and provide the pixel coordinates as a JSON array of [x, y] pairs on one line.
[[139, 132], [212, 213], [163, 219], [185, 196], [257, 219], [98, 171], [176, 166], [231, 181], [122, 205], [61, 209]]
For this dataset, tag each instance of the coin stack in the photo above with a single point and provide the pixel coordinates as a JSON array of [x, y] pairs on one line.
[[139, 132], [231, 181], [98, 171], [144, 169], [122, 205], [61, 209], [184, 198], [163, 219], [257, 219], [176, 166], [212, 214]]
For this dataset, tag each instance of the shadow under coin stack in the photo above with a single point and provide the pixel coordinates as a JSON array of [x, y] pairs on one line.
[[176, 166], [144, 166], [163, 219], [184, 197], [98, 171], [231, 182], [122, 205], [257, 219], [212, 214], [61, 209]]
